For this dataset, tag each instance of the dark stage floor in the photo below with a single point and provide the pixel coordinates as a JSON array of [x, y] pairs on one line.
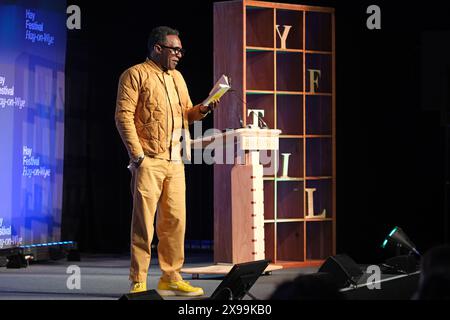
[[105, 277]]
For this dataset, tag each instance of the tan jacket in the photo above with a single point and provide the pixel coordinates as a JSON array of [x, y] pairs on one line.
[[142, 109]]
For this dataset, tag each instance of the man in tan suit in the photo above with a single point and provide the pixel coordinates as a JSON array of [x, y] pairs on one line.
[[153, 112]]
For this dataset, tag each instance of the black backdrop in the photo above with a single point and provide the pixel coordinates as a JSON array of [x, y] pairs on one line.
[[392, 103]]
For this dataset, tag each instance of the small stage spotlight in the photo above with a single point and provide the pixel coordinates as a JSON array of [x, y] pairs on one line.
[[401, 263], [399, 238]]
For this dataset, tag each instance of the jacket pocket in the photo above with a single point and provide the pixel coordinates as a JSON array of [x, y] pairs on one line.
[[151, 136]]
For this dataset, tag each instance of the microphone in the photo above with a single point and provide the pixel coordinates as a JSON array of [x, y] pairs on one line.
[[265, 126], [260, 119], [229, 83], [241, 122]]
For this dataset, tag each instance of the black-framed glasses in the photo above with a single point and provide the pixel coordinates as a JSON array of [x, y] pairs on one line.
[[174, 50]]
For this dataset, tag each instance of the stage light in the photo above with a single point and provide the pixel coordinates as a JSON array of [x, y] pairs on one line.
[[399, 238], [18, 257]]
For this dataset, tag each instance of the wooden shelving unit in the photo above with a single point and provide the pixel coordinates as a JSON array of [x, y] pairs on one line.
[[275, 76]]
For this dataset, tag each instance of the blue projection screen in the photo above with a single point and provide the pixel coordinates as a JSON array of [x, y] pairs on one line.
[[32, 62]]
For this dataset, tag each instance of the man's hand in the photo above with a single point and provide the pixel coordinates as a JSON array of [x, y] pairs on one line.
[[214, 105], [136, 162], [204, 109], [211, 107]]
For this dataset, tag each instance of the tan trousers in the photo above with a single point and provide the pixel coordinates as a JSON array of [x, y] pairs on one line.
[[158, 184]]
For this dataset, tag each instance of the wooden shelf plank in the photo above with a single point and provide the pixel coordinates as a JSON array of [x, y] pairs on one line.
[[285, 220], [280, 93], [292, 136], [297, 178], [283, 179], [312, 136], [270, 178], [287, 50], [292, 220], [319, 178], [260, 92], [257, 49], [261, 4], [299, 264], [318, 52], [325, 94], [288, 179], [318, 219]]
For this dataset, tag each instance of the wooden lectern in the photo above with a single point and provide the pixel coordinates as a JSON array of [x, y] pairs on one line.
[[246, 232]]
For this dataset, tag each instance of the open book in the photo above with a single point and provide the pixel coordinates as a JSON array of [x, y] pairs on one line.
[[222, 85]]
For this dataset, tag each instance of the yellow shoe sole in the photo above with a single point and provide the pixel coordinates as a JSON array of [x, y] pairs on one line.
[[171, 293]]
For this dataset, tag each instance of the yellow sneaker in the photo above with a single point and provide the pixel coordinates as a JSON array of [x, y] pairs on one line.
[[178, 288], [138, 287]]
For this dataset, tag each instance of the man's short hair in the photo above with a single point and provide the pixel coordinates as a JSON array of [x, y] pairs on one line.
[[159, 35]]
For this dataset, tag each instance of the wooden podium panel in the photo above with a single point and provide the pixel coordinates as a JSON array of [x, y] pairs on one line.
[[247, 200]]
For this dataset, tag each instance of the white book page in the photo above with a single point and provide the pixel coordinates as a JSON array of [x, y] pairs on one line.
[[219, 89]]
